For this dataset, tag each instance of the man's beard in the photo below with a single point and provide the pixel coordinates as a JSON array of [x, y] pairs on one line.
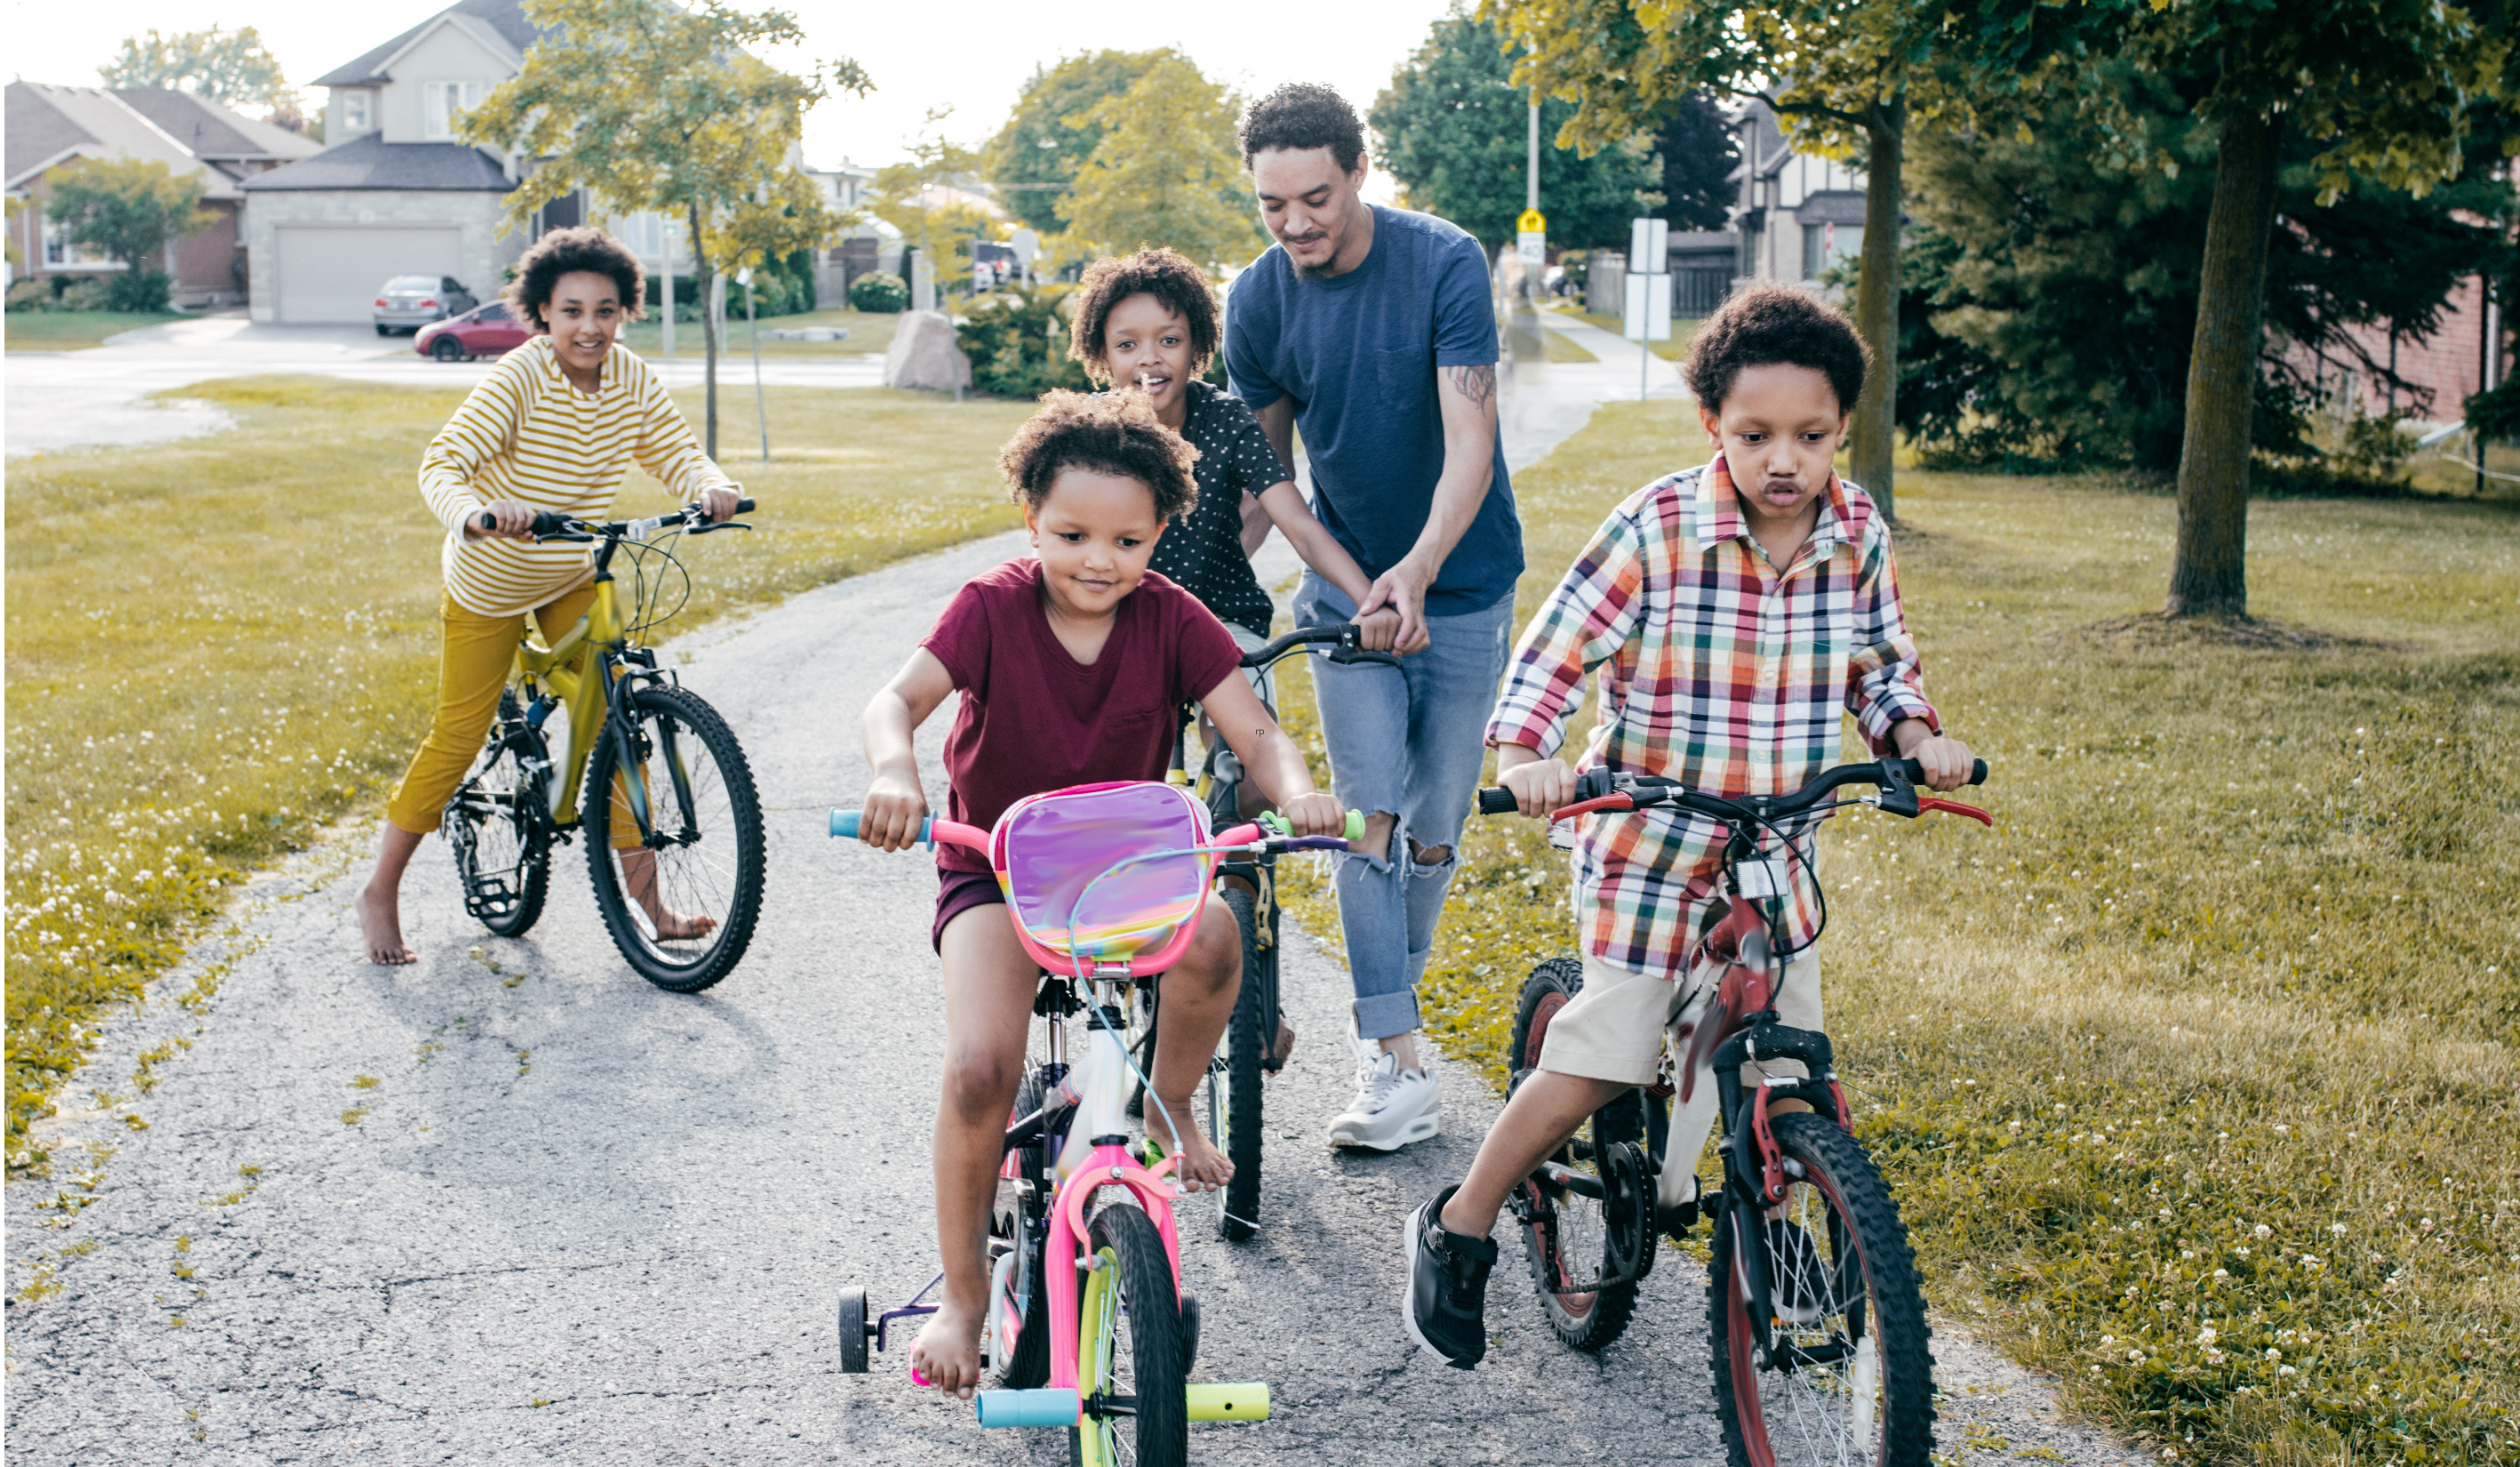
[[1312, 272]]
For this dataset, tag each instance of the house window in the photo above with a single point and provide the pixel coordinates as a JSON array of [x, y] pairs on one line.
[[355, 112], [1824, 244], [443, 102], [60, 253], [643, 232]]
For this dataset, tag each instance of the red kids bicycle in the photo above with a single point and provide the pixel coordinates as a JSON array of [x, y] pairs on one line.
[[1819, 1348]]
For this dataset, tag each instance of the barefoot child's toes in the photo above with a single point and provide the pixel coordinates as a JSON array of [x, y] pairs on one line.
[[381, 929], [947, 1353]]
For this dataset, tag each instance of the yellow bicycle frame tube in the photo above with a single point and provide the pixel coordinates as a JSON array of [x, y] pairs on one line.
[[574, 671]]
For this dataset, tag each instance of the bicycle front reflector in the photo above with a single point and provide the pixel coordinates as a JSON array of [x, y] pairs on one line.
[[1033, 1409], [1249, 1403]]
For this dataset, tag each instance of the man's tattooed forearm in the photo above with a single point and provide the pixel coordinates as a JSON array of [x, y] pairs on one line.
[[1478, 383]]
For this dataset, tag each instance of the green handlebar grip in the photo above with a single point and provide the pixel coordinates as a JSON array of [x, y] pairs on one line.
[[1355, 830], [1245, 1403], [1355, 825]]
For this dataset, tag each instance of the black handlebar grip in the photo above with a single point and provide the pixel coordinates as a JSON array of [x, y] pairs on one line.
[[743, 506], [1497, 801], [1977, 773]]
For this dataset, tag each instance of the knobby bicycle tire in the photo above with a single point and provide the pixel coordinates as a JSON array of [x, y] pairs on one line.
[[739, 851], [1583, 1319], [1158, 1433], [1808, 1416], [532, 879], [1246, 1037]]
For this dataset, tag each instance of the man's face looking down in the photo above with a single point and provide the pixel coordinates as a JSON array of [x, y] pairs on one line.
[[1309, 204]]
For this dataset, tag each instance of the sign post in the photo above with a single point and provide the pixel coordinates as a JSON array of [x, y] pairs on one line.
[[1647, 296]]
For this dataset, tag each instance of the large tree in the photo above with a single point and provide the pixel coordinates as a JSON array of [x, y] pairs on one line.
[[232, 67], [1698, 154], [648, 105], [1041, 147], [129, 208], [1453, 126], [1167, 172], [925, 197]]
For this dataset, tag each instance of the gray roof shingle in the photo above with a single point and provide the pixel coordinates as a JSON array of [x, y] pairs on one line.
[[506, 17], [45, 122], [369, 161], [212, 131]]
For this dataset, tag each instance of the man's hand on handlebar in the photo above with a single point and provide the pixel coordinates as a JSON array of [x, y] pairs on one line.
[[718, 505], [514, 521], [1380, 631], [892, 814], [1315, 814], [1541, 785], [1948, 763]]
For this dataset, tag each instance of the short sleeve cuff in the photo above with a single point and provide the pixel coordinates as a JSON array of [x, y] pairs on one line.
[[1888, 713]]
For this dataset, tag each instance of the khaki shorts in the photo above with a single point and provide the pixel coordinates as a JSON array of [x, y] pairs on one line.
[[1614, 1030]]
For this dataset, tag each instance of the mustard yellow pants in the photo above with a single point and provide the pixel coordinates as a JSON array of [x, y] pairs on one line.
[[474, 654]]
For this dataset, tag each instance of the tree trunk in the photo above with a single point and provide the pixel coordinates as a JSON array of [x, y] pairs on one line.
[[2209, 568], [1876, 305], [702, 277]]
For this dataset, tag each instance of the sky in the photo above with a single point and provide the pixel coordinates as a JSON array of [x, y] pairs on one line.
[[972, 57]]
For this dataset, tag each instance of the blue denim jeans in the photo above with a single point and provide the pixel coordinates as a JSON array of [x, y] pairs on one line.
[[1407, 742]]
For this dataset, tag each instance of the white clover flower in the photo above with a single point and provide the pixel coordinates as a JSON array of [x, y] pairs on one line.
[[2284, 1370], [2262, 1232], [2338, 1228], [2135, 1356], [2206, 1336], [2311, 1261], [2222, 1273], [2273, 1354]]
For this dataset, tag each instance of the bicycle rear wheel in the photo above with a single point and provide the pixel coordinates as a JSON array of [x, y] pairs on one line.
[[495, 824], [1129, 1349], [1252, 1029], [681, 900], [1585, 1238], [1852, 1381]]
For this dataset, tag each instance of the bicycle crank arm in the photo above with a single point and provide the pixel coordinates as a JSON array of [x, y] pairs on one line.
[[1561, 1176]]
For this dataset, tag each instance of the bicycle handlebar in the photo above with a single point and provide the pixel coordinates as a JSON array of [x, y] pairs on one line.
[[845, 827], [548, 525], [1348, 651], [1897, 776]]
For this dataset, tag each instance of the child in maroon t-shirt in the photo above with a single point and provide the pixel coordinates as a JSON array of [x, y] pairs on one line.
[[1071, 668]]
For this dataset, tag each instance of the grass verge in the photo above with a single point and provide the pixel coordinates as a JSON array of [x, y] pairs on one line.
[[1683, 331], [2194, 1078], [72, 330], [1537, 339], [868, 333], [217, 645]]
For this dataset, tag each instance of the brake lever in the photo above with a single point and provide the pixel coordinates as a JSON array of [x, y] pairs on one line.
[[1350, 651], [1898, 794], [701, 530]]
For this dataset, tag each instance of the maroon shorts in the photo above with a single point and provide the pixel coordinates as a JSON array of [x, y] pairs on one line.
[[957, 893]]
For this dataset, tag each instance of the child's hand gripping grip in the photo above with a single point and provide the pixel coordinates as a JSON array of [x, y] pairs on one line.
[[1045, 1408], [844, 826], [1354, 830]]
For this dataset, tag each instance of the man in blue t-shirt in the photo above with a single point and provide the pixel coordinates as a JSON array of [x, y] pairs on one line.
[[1372, 330]]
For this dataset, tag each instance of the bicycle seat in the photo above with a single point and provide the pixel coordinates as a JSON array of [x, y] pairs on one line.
[[1101, 876]]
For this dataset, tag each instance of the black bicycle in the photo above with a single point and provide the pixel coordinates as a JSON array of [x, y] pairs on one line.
[[1249, 887], [1819, 1348], [591, 734]]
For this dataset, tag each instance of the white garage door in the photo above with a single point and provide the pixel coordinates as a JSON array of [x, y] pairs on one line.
[[331, 275]]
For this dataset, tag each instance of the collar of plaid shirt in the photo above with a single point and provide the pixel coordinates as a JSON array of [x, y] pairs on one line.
[[1718, 518]]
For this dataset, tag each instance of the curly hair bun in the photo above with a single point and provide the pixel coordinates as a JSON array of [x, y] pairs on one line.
[[1302, 116], [1107, 432], [1773, 325], [563, 251], [1162, 273]]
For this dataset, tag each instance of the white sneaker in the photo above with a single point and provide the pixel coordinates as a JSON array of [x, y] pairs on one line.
[[1393, 1106]]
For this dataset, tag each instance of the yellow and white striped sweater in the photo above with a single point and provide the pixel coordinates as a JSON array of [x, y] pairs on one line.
[[525, 434]]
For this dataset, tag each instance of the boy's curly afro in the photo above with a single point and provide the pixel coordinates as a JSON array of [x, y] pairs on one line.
[[563, 250], [1301, 115], [1768, 325], [1110, 432], [1159, 272]]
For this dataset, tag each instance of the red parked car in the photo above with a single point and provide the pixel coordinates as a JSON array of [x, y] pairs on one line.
[[486, 331]]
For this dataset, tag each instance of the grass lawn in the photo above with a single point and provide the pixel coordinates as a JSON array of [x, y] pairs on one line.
[[868, 333], [217, 645], [1675, 349], [72, 330], [2195, 1077], [1537, 339]]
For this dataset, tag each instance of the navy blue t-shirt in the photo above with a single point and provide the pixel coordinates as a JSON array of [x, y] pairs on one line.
[[1357, 353]]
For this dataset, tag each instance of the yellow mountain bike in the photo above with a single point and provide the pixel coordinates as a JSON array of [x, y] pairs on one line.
[[592, 735]]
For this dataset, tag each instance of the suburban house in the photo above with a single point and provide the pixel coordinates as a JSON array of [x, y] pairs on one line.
[[844, 192], [57, 127]]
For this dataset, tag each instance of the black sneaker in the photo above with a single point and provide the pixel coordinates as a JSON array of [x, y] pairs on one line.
[[1448, 1286], [1801, 1286]]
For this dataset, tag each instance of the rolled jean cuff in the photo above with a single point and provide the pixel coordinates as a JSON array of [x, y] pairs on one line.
[[1386, 1016]]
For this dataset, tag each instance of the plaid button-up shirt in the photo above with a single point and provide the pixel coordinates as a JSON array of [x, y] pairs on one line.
[[1718, 669]]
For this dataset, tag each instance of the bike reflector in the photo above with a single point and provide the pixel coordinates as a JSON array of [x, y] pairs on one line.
[[1763, 877]]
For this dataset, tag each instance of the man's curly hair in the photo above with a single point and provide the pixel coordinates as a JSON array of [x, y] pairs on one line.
[[1108, 432], [1770, 325], [563, 250], [1304, 114], [1159, 272]]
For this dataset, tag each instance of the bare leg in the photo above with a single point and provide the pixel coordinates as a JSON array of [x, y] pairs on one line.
[[1198, 1000], [380, 903], [988, 1007], [1544, 1112], [639, 879]]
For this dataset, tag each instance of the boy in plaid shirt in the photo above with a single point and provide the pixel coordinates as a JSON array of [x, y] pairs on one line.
[[1732, 611]]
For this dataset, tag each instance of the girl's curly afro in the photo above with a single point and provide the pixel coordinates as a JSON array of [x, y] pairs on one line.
[[563, 250], [1108, 432], [1159, 272]]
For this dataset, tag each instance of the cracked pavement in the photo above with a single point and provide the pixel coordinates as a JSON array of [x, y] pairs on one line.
[[578, 1220]]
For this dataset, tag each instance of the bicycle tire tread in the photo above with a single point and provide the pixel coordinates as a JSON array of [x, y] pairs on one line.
[[1147, 1293], [744, 804], [1245, 1094]]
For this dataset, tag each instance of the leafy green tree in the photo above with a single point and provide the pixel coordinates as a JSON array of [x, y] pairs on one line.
[[921, 196], [232, 67], [1454, 129], [129, 208], [648, 105], [2051, 299], [1167, 172], [1038, 150], [1698, 154]]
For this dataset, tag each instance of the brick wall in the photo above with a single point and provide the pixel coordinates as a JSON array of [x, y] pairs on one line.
[[2444, 368]]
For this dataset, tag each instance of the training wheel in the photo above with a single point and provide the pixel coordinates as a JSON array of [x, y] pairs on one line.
[[853, 1331]]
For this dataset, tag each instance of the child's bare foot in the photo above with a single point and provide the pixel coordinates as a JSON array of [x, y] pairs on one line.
[[947, 1353], [1201, 1167], [674, 926], [381, 927]]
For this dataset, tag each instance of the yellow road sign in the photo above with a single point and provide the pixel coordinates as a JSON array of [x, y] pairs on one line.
[[1531, 222]]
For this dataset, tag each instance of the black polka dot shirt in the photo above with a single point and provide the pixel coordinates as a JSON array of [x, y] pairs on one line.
[[1204, 553]]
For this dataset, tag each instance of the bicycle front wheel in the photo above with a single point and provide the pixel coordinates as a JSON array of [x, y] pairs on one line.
[[1851, 1380], [495, 825], [1129, 1354], [680, 890], [1253, 1026]]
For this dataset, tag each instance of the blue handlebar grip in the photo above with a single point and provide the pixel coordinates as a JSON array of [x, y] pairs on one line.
[[1044, 1407], [844, 826]]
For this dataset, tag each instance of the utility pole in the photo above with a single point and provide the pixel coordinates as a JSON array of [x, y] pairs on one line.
[[1531, 196]]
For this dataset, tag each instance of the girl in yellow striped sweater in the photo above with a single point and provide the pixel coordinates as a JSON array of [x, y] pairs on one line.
[[552, 429]]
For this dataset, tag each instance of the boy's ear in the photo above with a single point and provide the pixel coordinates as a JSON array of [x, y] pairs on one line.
[[1714, 427]]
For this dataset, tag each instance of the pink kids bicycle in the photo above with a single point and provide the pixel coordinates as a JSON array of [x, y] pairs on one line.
[[1088, 1326]]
